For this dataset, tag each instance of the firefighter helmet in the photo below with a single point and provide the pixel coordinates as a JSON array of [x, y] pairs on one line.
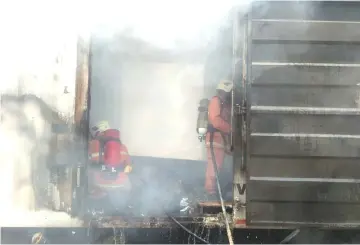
[[100, 127], [225, 85], [38, 238]]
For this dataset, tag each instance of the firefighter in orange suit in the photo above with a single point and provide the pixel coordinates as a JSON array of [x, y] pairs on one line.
[[219, 115], [106, 150]]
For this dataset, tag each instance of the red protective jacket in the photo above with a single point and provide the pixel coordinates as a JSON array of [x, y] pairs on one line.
[[113, 154], [219, 117]]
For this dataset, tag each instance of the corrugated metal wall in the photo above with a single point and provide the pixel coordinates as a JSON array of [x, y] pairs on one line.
[[303, 155]]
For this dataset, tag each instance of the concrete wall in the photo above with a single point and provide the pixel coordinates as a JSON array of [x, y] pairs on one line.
[[32, 97]]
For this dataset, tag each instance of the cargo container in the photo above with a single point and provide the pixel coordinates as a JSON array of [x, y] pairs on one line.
[[295, 140]]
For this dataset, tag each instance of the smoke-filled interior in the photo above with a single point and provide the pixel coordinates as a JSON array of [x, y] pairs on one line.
[[151, 95]]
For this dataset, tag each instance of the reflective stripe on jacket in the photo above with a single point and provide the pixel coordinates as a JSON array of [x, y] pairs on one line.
[[95, 155]]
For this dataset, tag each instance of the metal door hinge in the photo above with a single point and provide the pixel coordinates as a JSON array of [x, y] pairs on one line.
[[240, 110]]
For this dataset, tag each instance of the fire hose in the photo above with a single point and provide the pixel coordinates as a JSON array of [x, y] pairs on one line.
[[186, 229], [289, 237], [227, 223], [181, 225]]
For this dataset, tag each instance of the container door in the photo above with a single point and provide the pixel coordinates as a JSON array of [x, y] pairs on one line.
[[303, 154]]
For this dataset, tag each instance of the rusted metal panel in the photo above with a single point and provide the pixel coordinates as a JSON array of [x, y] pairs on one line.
[[297, 168], [304, 75], [305, 139], [308, 10], [301, 30], [241, 66], [309, 145], [346, 97], [275, 52], [305, 110], [322, 190], [287, 123], [304, 214]]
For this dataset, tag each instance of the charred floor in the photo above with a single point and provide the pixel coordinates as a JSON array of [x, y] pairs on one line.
[[175, 236]]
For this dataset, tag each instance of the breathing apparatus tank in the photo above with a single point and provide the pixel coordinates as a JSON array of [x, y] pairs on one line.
[[202, 120]]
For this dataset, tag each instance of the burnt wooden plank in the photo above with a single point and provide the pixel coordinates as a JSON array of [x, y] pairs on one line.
[[317, 53], [150, 222], [298, 191], [305, 75], [304, 167], [335, 97], [315, 214], [295, 123], [304, 145], [306, 31], [214, 204]]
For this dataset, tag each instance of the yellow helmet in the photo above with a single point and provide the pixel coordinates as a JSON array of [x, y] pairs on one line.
[[225, 85], [100, 127], [38, 238]]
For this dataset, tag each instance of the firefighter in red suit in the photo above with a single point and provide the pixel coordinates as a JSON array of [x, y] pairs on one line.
[[110, 155], [219, 114]]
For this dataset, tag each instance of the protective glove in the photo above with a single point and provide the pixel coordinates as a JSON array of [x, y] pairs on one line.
[[127, 169]]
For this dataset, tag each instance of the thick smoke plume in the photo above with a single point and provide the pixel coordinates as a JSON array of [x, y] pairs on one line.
[[39, 59]]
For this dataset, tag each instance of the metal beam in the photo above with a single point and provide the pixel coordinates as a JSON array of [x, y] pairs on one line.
[[303, 64], [305, 110]]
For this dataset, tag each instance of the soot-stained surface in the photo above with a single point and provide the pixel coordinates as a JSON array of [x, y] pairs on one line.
[[176, 236], [141, 236]]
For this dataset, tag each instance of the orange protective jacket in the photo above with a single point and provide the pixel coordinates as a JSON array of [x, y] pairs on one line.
[[219, 117]]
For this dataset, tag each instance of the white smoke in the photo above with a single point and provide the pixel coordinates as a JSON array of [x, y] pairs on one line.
[[38, 49], [25, 136], [39, 61]]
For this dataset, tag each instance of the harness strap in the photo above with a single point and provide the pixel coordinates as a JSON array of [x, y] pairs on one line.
[[212, 129]]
